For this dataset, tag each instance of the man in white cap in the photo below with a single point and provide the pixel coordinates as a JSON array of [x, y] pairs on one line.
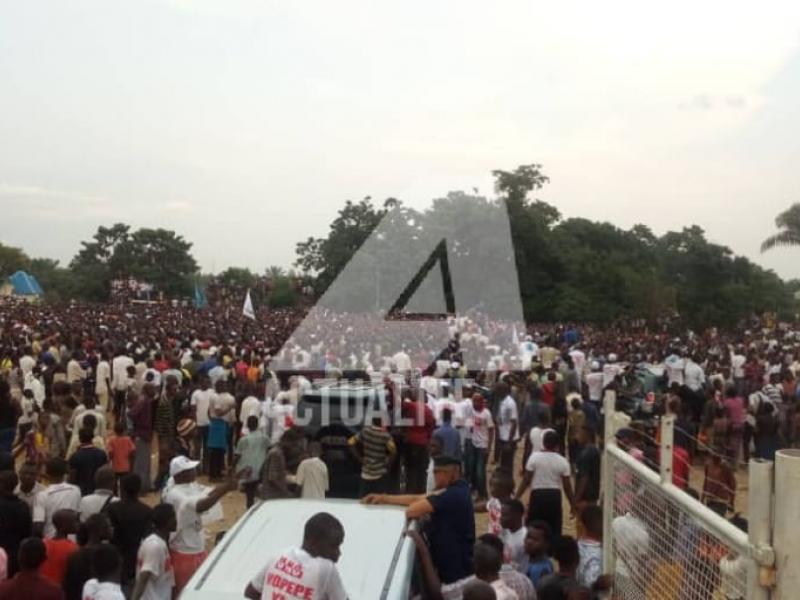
[[190, 500]]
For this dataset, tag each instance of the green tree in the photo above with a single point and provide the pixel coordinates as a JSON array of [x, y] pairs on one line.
[[156, 256], [12, 260], [789, 224]]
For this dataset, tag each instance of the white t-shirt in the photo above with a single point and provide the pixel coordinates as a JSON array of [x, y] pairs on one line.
[[94, 590], [26, 364], [610, 372], [222, 402], [514, 548], [312, 476], [119, 372], [549, 469], [296, 574], [201, 399], [674, 366], [537, 438], [93, 503], [188, 537], [594, 381], [153, 557], [251, 407], [737, 366], [506, 414], [694, 376], [103, 376], [54, 498], [481, 425]]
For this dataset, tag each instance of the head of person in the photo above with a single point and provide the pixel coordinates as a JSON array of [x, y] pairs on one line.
[[550, 441], [32, 554], [477, 402], [130, 486], [28, 474], [183, 470], [478, 590], [106, 563], [221, 386], [315, 449], [119, 428], [85, 436], [205, 382], [8, 481], [66, 522], [537, 540], [323, 536], [104, 478], [446, 471], [592, 519], [447, 415], [56, 469], [164, 518], [98, 528], [511, 514], [486, 561], [566, 553], [252, 423], [501, 484]]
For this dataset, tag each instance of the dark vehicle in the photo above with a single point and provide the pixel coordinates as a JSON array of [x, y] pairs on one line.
[[331, 415]]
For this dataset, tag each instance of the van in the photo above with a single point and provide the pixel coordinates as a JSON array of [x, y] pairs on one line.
[[376, 563]]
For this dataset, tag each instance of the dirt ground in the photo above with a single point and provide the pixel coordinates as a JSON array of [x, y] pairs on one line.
[[233, 505]]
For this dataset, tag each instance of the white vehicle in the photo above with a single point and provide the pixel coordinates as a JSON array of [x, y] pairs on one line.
[[376, 563]]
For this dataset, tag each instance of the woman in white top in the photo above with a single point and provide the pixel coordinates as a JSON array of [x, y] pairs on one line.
[[547, 472]]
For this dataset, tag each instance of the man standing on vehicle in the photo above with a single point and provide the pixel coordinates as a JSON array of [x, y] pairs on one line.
[[451, 530], [307, 572]]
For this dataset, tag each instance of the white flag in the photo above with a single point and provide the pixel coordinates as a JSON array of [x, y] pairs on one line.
[[515, 337], [247, 309]]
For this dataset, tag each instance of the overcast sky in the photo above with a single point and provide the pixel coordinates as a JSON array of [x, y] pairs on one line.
[[244, 125]]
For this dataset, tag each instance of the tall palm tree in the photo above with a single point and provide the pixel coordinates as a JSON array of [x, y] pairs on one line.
[[789, 224], [275, 272]]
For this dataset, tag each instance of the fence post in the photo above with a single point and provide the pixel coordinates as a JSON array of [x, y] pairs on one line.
[[786, 534], [759, 520], [665, 453], [609, 407]]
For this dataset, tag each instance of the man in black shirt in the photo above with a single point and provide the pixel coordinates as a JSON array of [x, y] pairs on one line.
[[85, 462], [132, 521], [587, 469], [15, 519], [451, 530]]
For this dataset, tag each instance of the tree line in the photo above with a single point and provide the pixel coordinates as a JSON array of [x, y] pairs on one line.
[[569, 269]]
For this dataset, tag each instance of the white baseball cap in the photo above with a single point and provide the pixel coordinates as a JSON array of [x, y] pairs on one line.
[[179, 464]]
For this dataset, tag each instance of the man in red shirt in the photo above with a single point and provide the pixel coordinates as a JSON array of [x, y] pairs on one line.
[[28, 583], [418, 437]]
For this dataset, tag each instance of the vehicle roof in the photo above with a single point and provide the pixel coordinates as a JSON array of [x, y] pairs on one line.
[[374, 546]]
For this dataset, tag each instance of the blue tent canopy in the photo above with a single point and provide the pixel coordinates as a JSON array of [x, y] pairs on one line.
[[25, 284]]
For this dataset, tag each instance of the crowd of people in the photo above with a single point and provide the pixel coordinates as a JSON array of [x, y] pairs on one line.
[[104, 407]]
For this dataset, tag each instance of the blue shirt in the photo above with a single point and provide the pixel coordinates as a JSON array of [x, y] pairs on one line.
[[451, 532], [538, 569], [451, 441]]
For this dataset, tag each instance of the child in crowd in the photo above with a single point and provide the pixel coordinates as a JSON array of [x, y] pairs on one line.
[[312, 474], [121, 452], [590, 548], [107, 568], [60, 547], [514, 534], [562, 584], [251, 451], [537, 545], [501, 486]]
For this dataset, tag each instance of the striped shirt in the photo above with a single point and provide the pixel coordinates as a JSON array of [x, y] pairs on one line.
[[377, 446]]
